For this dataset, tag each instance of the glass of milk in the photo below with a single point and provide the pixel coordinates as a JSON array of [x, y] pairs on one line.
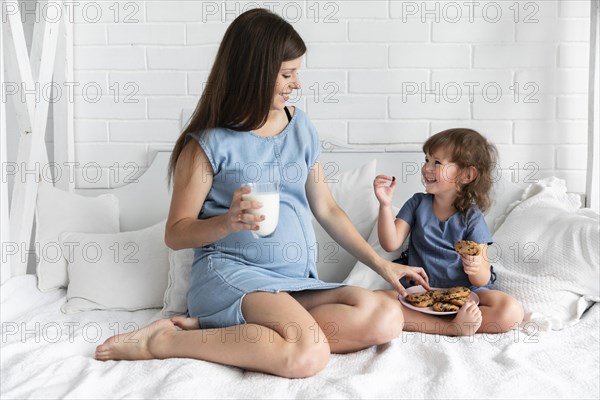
[[268, 195]]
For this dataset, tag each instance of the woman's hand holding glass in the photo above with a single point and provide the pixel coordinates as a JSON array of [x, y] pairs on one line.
[[267, 194], [238, 217]]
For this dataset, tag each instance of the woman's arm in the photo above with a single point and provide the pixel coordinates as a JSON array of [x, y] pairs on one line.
[[191, 183], [335, 221]]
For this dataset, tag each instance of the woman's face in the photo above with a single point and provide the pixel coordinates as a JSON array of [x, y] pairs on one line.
[[287, 81]]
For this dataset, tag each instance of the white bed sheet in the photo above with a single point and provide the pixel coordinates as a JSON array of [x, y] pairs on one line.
[[54, 359]]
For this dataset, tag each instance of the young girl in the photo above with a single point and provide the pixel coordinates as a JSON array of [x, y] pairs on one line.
[[457, 175], [254, 303]]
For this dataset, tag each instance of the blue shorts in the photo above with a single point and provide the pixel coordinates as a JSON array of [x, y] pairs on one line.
[[219, 285]]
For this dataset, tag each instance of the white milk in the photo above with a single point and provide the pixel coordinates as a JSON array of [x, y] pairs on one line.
[[270, 210]]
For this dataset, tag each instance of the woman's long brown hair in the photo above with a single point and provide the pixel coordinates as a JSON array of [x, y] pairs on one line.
[[241, 83]]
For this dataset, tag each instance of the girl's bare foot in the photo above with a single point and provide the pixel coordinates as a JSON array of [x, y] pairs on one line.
[[467, 321], [187, 324], [136, 345]]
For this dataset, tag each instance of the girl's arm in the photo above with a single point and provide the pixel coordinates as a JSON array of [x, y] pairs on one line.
[[337, 224], [478, 267], [191, 183], [391, 231]]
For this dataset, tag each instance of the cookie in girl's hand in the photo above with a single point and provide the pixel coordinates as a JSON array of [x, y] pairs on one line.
[[467, 248]]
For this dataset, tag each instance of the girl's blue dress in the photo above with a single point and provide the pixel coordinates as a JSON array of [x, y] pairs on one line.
[[431, 243]]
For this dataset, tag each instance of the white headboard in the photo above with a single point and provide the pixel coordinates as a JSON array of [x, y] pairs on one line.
[[403, 162], [146, 201]]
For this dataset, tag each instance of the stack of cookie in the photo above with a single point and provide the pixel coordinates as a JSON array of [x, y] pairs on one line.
[[448, 300]]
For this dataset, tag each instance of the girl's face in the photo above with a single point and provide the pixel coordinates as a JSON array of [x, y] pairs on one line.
[[287, 81], [440, 175]]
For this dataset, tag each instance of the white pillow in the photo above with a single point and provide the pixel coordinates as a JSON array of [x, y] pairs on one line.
[[504, 193], [365, 277], [125, 271], [353, 191], [180, 272], [58, 211], [546, 254]]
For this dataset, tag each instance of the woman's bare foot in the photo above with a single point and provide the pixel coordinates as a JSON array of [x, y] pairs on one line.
[[467, 321], [187, 324], [136, 345]]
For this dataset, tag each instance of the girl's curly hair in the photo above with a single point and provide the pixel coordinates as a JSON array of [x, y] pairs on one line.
[[468, 148]]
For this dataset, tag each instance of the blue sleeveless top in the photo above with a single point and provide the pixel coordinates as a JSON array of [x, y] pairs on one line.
[[224, 271]]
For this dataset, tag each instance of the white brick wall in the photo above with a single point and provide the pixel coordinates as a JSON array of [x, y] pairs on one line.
[[150, 83], [109, 58], [477, 31], [148, 34], [347, 55], [388, 31], [376, 72], [430, 56]]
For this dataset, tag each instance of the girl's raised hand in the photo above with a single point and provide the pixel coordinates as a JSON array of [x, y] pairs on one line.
[[237, 217], [393, 272], [383, 191]]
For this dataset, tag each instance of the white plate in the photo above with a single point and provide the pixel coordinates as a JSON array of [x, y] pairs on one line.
[[428, 310]]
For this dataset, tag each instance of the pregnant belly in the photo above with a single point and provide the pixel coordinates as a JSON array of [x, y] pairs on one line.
[[292, 244]]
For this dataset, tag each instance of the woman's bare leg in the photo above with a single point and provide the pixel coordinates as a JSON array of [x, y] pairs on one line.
[[186, 323], [466, 322], [277, 339], [134, 345], [353, 318]]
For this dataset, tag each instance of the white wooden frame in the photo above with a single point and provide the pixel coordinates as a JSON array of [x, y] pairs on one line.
[[593, 170], [4, 221], [39, 68]]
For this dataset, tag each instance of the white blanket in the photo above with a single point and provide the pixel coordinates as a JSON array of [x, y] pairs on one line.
[[547, 255], [47, 354]]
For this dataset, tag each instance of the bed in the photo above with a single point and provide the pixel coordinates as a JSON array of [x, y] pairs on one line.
[[547, 256]]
